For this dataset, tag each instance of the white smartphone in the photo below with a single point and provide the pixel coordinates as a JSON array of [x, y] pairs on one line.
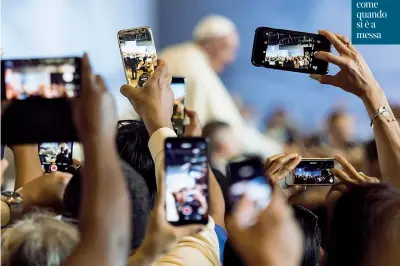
[[313, 172], [138, 54]]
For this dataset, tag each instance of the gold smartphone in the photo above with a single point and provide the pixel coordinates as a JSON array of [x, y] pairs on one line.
[[138, 54]]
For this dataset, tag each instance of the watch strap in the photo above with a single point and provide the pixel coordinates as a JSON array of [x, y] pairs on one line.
[[385, 112]]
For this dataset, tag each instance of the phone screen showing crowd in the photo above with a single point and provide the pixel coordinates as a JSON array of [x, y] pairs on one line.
[[139, 55], [186, 166], [41, 78], [314, 173], [289, 50]]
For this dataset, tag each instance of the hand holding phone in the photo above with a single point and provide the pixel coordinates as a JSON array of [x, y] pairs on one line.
[[35, 91], [186, 180], [289, 50], [247, 178]]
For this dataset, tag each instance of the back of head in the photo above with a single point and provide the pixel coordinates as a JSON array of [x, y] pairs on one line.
[[38, 240], [132, 145], [365, 226], [312, 235], [139, 198]]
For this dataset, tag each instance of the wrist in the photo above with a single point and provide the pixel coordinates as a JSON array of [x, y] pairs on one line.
[[374, 100], [154, 123]]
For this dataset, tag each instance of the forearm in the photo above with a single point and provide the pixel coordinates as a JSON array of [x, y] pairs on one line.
[[104, 223], [217, 202], [27, 164], [387, 136]]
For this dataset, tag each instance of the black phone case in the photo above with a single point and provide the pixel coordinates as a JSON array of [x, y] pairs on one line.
[[278, 68]]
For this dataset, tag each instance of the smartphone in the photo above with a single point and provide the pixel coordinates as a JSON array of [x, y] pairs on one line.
[[289, 50], [247, 178], [178, 87], [138, 54], [314, 172], [186, 180], [55, 156], [37, 92]]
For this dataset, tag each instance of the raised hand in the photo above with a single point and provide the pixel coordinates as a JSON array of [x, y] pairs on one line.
[[160, 236], [278, 167], [354, 76], [348, 176], [94, 112], [271, 239], [193, 129], [155, 100]]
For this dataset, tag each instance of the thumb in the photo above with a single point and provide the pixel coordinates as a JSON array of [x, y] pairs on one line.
[[325, 79], [189, 230], [129, 92]]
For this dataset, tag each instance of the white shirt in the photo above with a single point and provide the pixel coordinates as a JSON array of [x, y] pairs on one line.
[[207, 95]]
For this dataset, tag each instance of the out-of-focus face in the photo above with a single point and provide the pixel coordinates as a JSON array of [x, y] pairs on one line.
[[223, 51], [230, 144], [343, 127]]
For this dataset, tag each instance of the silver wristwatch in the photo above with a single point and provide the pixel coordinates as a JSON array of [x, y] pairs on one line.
[[384, 112], [14, 201]]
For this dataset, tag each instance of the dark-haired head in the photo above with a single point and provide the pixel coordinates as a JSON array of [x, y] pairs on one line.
[[312, 235], [132, 145], [139, 197], [365, 227]]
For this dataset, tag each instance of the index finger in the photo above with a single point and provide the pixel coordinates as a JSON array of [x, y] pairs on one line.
[[348, 167], [86, 74], [161, 70], [194, 118], [335, 41]]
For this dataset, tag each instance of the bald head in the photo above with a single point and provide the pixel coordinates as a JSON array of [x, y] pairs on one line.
[[218, 37]]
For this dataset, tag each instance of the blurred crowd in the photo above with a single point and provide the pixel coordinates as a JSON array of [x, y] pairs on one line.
[[110, 208]]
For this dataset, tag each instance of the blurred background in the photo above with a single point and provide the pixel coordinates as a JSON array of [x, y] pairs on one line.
[[38, 28]]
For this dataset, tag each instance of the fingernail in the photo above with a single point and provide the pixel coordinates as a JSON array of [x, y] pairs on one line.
[[313, 77]]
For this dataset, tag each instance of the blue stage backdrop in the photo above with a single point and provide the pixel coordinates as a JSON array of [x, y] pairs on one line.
[[307, 101]]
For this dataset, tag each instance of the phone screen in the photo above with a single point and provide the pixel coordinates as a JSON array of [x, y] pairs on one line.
[[178, 87], [289, 50], [314, 172], [41, 78], [55, 156], [186, 181], [248, 179], [138, 54]]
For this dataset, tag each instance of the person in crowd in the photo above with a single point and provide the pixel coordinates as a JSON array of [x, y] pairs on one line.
[[139, 199], [224, 144], [154, 103], [38, 239], [214, 46], [104, 239], [356, 77], [277, 126]]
